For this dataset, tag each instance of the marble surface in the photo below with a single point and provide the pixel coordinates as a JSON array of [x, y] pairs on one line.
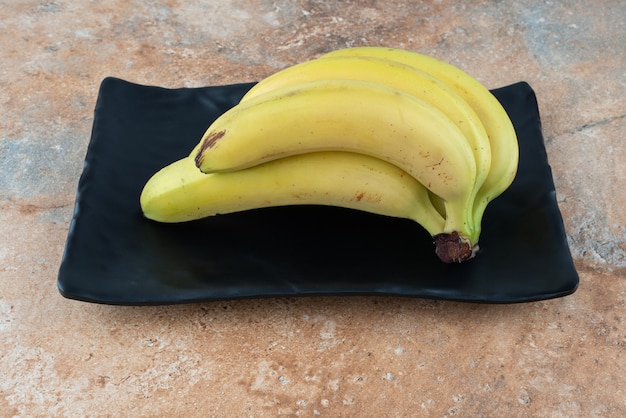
[[335, 357]]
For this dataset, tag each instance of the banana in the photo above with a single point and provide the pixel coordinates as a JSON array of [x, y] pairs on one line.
[[500, 130], [380, 130], [179, 192], [400, 76], [355, 116]]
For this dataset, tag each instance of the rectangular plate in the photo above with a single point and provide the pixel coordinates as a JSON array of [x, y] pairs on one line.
[[114, 255]]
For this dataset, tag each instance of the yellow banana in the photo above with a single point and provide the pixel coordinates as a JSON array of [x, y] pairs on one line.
[[397, 75], [500, 130], [356, 116], [180, 192]]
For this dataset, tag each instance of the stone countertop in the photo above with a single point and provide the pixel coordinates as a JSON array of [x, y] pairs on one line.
[[333, 356]]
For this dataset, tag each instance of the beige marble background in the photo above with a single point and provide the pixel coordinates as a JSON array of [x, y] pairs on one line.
[[334, 357]]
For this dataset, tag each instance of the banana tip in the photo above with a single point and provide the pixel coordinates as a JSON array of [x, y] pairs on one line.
[[453, 248], [198, 160], [208, 141]]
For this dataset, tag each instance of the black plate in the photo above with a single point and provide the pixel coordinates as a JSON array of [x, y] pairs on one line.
[[113, 255]]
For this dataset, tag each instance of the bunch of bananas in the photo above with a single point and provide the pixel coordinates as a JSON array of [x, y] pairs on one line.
[[382, 130]]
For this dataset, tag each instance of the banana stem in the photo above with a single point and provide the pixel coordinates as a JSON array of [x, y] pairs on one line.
[[454, 248], [458, 241]]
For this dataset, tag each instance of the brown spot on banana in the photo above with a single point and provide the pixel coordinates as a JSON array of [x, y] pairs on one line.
[[207, 143]]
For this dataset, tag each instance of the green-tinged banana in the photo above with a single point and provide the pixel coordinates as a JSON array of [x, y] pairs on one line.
[[356, 116], [502, 137], [180, 192], [400, 76]]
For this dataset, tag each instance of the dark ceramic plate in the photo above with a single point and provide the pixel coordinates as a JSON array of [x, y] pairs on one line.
[[113, 255]]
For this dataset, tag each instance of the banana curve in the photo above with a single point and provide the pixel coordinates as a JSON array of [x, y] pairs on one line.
[[373, 119], [500, 131]]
